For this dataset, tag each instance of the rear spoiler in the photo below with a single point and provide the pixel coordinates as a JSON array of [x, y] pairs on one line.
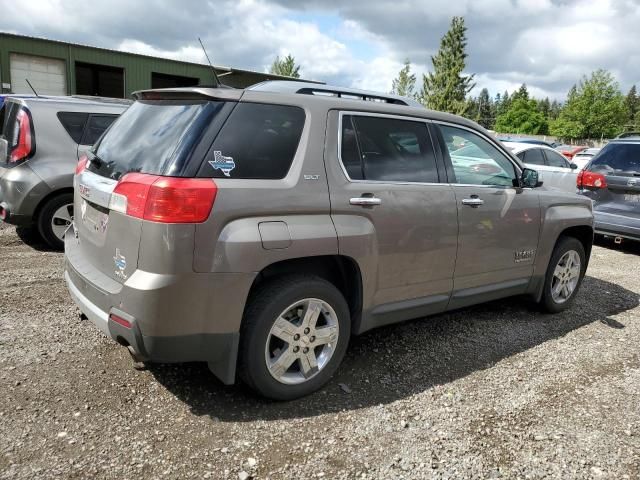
[[190, 93]]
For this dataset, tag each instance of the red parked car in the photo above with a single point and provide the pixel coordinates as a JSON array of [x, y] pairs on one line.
[[569, 150]]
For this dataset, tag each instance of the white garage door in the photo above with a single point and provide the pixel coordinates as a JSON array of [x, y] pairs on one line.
[[47, 75]]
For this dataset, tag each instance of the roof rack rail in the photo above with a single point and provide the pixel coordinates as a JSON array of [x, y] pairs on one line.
[[304, 88]]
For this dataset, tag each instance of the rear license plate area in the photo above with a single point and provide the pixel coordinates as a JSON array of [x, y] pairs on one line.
[[94, 217]]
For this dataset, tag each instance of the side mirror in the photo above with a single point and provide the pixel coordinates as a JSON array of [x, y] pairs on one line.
[[4, 147], [573, 166], [529, 178]]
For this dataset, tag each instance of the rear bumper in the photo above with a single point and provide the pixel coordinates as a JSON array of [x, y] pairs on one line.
[[21, 190], [617, 225], [172, 318]]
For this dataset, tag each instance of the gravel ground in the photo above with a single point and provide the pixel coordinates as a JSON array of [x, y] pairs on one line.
[[495, 391]]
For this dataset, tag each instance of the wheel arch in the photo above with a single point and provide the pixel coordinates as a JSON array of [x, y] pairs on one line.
[[47, 198], [340, 270]]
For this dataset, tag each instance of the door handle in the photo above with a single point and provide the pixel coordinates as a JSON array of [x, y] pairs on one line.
[[365, 201], [474, 202]]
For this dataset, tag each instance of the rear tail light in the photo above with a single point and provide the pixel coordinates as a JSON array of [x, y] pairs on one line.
[[25, 142], [82, 164], [164, 199], [591, 180]]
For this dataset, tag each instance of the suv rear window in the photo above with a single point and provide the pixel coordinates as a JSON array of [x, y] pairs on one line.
[[617, 158], [153, 136], [258, 141]]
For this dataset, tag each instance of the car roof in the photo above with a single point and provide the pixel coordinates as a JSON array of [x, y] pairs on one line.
[[517, 147], [625, 140], [303, 94]]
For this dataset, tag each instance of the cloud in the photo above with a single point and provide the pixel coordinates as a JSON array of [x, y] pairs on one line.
[[548, 44]]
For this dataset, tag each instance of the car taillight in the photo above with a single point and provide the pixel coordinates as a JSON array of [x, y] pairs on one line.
[[82, 164], [25, 145], [591, 180], [164, 199]]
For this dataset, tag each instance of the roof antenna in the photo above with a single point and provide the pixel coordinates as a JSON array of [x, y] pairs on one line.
[[215, 75], [31, 86]]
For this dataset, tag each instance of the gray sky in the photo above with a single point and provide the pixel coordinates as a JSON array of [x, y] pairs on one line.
[[548, 44]]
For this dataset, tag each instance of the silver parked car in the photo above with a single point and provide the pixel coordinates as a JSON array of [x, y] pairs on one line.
[[41, 139], [553, 168], [258, 229]]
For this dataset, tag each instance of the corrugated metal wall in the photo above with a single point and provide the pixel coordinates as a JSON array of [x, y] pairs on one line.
[[137, 68]]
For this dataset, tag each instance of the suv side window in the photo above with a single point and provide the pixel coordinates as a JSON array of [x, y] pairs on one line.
[[556, 160], [73, 123], [96, 127], [475, 161], [258, 141], [387, 150], [532, 156]]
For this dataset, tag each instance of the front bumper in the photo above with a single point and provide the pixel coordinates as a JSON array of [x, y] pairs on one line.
[[165, 325]]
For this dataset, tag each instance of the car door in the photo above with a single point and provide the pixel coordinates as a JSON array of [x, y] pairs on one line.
[[559, 173], [392, 214], [498, 222]]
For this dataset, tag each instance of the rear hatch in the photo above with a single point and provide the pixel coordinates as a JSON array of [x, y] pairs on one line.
[[619, 191], [146, 149]]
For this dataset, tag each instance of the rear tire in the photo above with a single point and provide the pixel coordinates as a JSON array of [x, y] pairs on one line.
[[279, 330], [563, 277], [54, 218]]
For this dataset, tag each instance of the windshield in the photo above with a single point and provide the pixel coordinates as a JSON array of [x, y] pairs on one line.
[[618, 158], [153, 136]]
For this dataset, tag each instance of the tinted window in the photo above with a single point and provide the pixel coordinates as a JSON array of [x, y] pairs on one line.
[[73, 123], [390, 150], [533, 156], [96, 127], [617, 158], [476, 161], [257, 141], [153, 136], [554, 159]]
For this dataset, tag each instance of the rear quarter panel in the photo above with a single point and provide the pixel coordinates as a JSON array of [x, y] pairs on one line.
[[230, 240]]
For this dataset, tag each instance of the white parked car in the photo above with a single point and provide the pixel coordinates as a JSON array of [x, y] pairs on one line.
[[582, 158], [553, 168]]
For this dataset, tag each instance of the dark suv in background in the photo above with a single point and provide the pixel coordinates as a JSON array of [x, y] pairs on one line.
[[612, 180], [41, 139]]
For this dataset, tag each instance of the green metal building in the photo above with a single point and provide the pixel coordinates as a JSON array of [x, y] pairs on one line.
[[60, 68]]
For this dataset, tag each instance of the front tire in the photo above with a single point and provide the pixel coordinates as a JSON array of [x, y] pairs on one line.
[[54, 219], [564, 275], [295, 333]]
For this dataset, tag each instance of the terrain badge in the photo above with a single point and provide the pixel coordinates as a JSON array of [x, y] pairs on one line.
[[222, 163], [523, 255]]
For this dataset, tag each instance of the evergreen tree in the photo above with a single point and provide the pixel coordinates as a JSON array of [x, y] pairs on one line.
[[632, 102], [286, 67], [446, 88], [554, 111], [522, 92], [405, 84], [595, 108], [544, 107], [484, 114]]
